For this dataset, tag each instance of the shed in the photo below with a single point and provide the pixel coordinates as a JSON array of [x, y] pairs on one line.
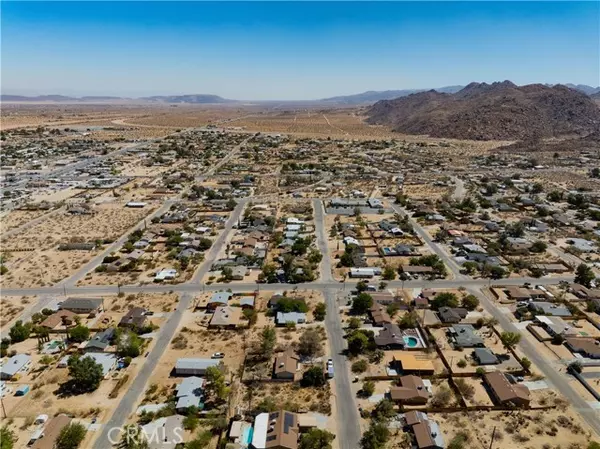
[[22, 390]]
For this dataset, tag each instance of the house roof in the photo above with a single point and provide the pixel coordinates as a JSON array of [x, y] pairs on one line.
[[410, 363], [452, 314], [135, 316], [195, 363], [293, 317], [226, 316], [190, 386], [464, 335], [51, 432], [168, 429], [485, 357], [379, 314], [282, 431], [504, 390], [585, 345], [549, 308], [15, 364], [57, 318], [391, 334], [82, 303], [410, 388], [286, 363], [220, 297]]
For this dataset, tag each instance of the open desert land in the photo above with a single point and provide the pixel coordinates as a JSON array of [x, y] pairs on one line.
[[32, 257], [551, 428], [17, 218], [12, 306]]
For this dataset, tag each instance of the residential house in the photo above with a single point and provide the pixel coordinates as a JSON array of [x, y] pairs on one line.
[[189, 393], [164, 433], [484, 356], [100, 341], [427, 432], [275, 430], [464, 336], [411, 391], [586, 346], [135, 318], [555, 325], [548, 308], [59, 318], [239, 272], [226, 317], [108, 362], [406, 363], [390, 337], [83, 305], [46, 439], [219, 299], [194, 366], [282, 318], [452, 314], [503, 392], [286, 365], [379, 315], [17, 364]]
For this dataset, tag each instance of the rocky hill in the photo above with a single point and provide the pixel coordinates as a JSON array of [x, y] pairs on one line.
[[498, 111]]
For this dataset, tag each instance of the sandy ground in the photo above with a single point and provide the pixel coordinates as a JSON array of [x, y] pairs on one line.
[[12, 306], [17, 218], [45, 264]]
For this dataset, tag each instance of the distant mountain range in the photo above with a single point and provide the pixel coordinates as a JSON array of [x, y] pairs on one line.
[[170, 99], [497, 111], [364, 98]]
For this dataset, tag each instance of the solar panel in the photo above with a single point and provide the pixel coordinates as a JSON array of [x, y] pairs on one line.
[[288, 421]]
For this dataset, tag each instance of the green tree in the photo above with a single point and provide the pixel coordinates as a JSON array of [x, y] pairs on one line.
[[129, 344], [389, 274], [375, 437], [7, 438], [354, 322], [320, 311], [313, 377], [360, 366], [584, 276], [368, 388], [593, 445], [361, 303], [384, 410], [70, 436], [191, 421], [316, 439], [133, 438], [526, 363], [19, 332], [409, 320], [444, 299], [357, 343], [268, 341], [510, 339], [85, 373], [216, 385], [79, 333], [538, 247], [470, 302], [201, 441], [309, 344]]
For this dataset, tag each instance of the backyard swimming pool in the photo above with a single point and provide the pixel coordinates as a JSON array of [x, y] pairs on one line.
[[247, 436], [411, 342]]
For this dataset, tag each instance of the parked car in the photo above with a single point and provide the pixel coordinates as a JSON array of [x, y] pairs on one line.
[[217, 355]]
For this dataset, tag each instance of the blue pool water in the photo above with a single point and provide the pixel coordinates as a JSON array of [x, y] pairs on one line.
[[247, 436], [411, 342]]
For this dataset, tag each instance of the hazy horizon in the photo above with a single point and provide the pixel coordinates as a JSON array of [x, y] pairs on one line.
[[291, 51]]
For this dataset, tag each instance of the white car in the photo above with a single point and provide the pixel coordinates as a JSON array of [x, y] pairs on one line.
[[217, 355]]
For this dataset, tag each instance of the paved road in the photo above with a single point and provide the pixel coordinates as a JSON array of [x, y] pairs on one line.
[[241, 287], [216, 247], [115, 246], [325, 266], [125, 407], [558, 380], [429, 241], [348, 419]]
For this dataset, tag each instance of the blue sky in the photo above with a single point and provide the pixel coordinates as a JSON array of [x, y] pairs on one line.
[[302, 50]]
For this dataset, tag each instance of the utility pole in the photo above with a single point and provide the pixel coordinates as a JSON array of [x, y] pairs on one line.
[[3, 409], [493, 436]]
